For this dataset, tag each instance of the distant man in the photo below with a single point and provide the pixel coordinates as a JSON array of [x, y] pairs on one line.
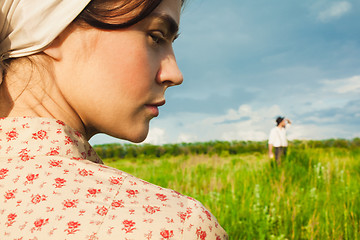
[[278, 140]]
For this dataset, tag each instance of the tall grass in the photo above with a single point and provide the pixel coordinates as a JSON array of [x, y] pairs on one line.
[[313, 194]]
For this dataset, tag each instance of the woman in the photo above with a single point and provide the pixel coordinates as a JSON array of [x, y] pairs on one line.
[[71, 69]]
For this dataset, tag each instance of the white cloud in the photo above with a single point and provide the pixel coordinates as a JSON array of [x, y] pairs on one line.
[[336, 10], [252, 125], [310, 131], [242, 134], [243, 123], [245, 113], [156, 136], [187, 138], [248, 123], [104, 139], [343, 86]]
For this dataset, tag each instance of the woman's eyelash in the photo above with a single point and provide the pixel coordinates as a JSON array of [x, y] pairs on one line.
[[157, 37]]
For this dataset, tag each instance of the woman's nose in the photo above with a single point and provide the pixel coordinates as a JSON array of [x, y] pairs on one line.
[[169, 72]]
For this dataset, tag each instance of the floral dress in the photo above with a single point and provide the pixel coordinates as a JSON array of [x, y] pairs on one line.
[[53, 186]]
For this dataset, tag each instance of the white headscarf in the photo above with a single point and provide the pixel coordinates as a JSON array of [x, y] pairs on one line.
[[29, 26]]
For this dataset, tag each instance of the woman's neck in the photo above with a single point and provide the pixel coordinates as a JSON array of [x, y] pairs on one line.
[[30, 90]]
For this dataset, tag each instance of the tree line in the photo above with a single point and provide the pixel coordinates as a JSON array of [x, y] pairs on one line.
[[117, 150]]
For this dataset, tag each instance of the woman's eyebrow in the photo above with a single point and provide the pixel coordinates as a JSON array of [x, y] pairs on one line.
[[172, 25]]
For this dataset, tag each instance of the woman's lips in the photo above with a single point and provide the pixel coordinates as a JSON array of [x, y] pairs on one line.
[[154, 107], [153, 110]]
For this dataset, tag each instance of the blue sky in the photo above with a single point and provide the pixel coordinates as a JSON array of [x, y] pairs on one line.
[[246, 62]]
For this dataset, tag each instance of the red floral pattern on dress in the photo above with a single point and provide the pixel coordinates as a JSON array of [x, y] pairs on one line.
[[39, 223], [68, 140], [10, 219], [200, 234], [70, 203], [167, 234], [3, 173], [161, 197], [132, 193], [35, 199], [151, 209], [53, 152], [101, 210], [31, 177], [208, 215], [53, 187], [55, 163], [185, 215], [84, 172], [24, 155], [12, 135], [60, 122], [117, 204], [92, 192], [59, 182], [41, 134], [116, 180], [73, 227], [128, 226], [10, 194]]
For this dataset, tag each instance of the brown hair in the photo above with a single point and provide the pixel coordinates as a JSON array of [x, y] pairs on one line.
[[115, 14]]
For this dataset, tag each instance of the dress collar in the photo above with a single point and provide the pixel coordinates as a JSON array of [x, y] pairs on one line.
[[32, 136]]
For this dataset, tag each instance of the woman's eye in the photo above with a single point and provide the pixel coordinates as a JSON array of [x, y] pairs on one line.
[[157, 37]]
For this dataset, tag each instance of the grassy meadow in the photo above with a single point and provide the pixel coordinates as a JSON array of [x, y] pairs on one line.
[[313, 194]]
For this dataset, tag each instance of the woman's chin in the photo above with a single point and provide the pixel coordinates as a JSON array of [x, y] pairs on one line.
[[135, 133], [137, 139], [137, 136]]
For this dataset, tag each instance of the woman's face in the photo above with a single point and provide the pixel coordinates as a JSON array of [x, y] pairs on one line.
[[115, 80]]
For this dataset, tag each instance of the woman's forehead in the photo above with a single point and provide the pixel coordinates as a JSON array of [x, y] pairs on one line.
[[172, 8]]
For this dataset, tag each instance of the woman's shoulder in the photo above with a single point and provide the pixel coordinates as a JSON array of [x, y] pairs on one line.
[[167, 210], [156, 209], [84, 199]]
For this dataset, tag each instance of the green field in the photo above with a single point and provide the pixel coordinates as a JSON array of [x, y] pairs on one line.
[[314, 194]]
